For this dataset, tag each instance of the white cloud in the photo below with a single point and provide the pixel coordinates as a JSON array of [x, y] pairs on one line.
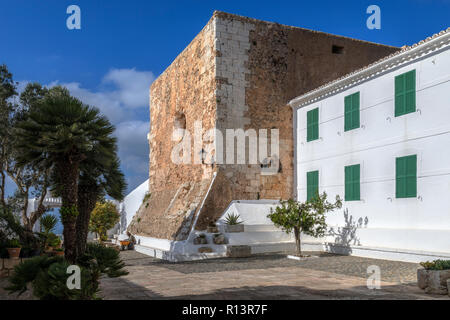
[[123, 96], [133, 145], [122, 92], [133, 86]]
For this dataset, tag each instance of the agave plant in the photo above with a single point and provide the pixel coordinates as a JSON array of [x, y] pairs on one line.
[[232, 219]]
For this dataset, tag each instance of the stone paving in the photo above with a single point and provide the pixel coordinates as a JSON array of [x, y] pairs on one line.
[[270, 276], [262, 277]]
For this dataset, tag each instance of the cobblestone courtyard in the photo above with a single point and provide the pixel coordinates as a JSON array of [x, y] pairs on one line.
[[258, 277], [262, 277]]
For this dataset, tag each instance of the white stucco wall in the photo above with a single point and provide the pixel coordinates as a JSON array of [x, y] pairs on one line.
[[131, 204], [411, 224]]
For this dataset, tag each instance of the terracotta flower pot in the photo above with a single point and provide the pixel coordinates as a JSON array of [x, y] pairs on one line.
[[14, 253], [59, 253]]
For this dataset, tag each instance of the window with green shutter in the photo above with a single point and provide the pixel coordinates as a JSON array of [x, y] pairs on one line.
[[312, 184], [405, 93], [351, 117], [312, 125], [406, 177], [352, 183]]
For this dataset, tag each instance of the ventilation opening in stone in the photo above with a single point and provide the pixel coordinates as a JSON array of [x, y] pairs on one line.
[[337, 49]]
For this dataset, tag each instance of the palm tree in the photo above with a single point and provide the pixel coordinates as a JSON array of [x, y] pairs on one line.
[[59, 133], [100, 175]]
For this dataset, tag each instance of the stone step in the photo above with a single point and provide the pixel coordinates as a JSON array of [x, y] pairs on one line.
[[248, 238], [152, 252], [177, 257], [273, 247], [285, 247], [260, 228]]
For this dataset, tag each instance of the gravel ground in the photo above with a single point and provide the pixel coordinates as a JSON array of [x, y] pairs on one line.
[[391, 271]]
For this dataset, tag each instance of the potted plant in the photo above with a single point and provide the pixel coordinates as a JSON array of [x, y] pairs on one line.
[[14, 249], [200, 239], [233, 224], [432, 276], [58, 251], [55, 241], [47, 225], [52, 242]]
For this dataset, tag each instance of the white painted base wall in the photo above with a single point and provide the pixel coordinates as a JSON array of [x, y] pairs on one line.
[[263, 237]]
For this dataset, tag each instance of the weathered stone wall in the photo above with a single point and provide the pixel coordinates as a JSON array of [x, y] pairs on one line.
[[260, 67], [238, 73], [182, 94]]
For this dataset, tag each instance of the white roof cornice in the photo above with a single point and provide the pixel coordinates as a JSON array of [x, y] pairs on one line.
[[397, 59]]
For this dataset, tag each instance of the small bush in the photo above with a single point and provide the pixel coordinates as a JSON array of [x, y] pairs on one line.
[[48, 223], [436, 265], [14, 243], [53, 240], [108, 260], [146, 197], [232, 219], [48, 275]]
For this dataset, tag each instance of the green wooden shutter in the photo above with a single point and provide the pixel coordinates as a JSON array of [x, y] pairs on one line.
[[400, 190], [312, 184], [355, 110], [312, 126], [410, 91], [308, 125], [411, 176], [405, 93], [352, 182], [316, 124], [406, 177], [351, 117], [348, 113], [356, 182]]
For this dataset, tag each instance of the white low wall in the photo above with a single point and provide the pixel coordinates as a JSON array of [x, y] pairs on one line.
[[355, 238], [131, 204]]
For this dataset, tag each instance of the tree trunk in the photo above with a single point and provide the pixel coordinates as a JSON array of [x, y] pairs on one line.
[[41, 209], [297, 241], [2, 189], [87, 198], [68, 176]]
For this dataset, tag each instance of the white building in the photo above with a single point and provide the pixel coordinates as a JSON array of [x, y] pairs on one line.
[[380, 138]]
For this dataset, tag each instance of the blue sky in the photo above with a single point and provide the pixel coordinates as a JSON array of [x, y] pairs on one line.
[[123, 45]]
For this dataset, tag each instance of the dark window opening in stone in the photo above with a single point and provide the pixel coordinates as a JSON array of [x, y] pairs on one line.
[[180, 121], [337, 49]]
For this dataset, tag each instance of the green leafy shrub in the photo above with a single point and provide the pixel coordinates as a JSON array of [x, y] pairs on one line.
[[104, 217], [48, 223], [53, 240], [14, 243], [436, 265], [304, 217], [108, 260], [146, 197], [232, 219], [48, 275]]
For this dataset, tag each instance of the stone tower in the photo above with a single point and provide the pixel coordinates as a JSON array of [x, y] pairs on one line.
[[237, 73]]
